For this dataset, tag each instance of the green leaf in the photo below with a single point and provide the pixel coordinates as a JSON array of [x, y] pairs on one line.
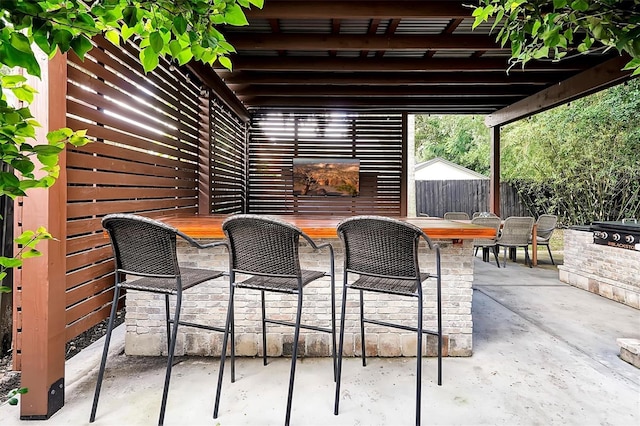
[[580, 5], [156, 42], [127, 31], [225, 62], [559, 4], [25, 237], [13, 57], [175, 48], [185, 56], [23, 166], [12, 80], [23, 94], [149, 59], [81, 45], [10, 262], [48, 160], [113, 36], [59, 135], [79, 140], [257, 3], [28, 254], [234, 15], [180, 24], [21, 42], [47, 149], [130, 16]]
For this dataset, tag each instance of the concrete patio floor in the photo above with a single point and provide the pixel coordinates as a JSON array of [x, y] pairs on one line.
[[544, 353]]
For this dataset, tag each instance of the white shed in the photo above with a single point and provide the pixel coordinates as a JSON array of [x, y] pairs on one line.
[[441, 169]]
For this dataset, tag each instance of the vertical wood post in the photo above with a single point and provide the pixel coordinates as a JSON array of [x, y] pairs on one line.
[[494, 190], [404, 174], [204, 154], [41, 280]]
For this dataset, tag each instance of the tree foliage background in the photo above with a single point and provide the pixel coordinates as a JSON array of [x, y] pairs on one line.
[[580, 161]]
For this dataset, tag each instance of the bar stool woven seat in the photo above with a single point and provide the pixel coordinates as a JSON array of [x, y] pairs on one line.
[[146, 249], [383, 254], [267, 250]]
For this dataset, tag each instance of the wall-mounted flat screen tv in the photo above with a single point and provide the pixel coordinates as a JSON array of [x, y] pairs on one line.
[[338, 177]]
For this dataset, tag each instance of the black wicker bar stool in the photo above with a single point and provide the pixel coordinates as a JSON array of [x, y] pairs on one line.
[[146, 248], [267, 250], [383, 252]]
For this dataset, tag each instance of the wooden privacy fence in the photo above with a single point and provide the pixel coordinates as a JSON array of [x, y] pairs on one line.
[[376, 139], [436, 197]]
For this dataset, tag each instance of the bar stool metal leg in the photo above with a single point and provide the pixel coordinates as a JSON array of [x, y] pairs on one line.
[[105, 351]]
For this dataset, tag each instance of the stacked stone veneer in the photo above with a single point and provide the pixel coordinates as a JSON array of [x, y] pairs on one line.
[[611, 272], [207, 303]]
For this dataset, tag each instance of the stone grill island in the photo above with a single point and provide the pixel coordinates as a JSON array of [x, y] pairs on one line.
[[604, 258]]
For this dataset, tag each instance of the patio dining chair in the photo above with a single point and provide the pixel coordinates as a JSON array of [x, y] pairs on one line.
[[383, 253], [545, 225], [456, 216], [267, 251], [483, 214], [516, 232], [487, 244], [145, 249]]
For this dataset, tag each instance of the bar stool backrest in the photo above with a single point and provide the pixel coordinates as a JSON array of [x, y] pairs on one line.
[[142, 246], [261, 245]]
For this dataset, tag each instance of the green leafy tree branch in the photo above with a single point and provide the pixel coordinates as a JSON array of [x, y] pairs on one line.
[[554, 28], [183, 30]]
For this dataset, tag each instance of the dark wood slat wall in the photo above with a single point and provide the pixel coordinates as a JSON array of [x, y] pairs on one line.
[[228, 147], [144, 159], [373, 138]]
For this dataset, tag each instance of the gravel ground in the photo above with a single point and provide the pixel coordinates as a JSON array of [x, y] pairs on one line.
[[10, 379]]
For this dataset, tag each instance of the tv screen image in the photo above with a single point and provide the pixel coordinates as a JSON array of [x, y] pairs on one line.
[[336, 177]]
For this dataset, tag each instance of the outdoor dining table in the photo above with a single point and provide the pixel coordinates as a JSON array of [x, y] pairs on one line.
[[208, 302]]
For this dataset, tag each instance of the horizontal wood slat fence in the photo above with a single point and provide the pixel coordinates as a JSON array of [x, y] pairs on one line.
[[152, 138], [436, 197], [279, 137]]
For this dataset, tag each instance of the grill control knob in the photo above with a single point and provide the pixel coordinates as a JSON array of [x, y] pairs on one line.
[[616, 237], [629, 239]]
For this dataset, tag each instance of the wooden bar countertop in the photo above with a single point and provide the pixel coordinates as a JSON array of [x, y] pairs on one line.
[[210, 226]]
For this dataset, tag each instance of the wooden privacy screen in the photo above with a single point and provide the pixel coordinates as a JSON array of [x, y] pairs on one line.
[[278, 137], [228, 145], [144, 160]]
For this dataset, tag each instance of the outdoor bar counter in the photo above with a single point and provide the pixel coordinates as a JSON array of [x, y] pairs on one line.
[[207, 302]]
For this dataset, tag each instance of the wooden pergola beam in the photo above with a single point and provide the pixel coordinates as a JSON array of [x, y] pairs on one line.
[[389, 79], [342, 42], [489, 103], [318, 64], [599, 77], [409, 91], [374, 9]]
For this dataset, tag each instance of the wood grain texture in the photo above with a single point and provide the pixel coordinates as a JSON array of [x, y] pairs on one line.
[[210, 227]]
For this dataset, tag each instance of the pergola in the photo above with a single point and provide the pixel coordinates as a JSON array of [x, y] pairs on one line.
[[410, 56], [372, 56]]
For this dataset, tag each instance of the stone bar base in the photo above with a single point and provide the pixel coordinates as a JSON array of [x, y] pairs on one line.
[[207, 303], [608, 271]]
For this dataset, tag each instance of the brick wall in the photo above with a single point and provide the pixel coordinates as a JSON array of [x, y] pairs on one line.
[[611, 272], [207, 303]]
